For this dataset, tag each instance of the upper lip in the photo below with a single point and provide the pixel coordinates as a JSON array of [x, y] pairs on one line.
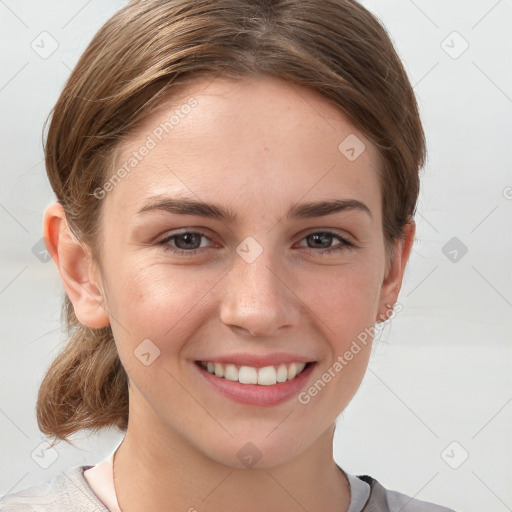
[[259, 361]]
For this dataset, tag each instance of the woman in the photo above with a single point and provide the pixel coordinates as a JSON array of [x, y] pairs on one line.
[[236, 183]]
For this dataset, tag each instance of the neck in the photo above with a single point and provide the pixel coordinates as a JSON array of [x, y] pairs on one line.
[[173, 476]]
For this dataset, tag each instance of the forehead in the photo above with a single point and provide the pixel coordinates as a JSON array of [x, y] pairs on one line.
[[263, 140]]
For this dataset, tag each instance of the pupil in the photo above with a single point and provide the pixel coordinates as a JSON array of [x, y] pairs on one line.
[[325, 236], [191, 238]]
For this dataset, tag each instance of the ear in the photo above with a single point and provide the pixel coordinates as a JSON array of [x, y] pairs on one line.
[[395, 271], [79, 274]]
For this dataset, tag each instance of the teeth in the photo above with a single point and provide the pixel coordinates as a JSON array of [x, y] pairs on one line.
[[248, 375], [231, 373], [282, 373], [266, 376], [219, 370]]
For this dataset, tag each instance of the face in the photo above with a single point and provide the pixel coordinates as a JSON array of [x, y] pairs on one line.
[[267, 275]]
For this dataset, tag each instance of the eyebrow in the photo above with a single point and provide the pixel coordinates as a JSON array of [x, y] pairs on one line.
[[307, 210]]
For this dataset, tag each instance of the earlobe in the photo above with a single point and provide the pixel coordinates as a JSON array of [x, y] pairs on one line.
[[393, 279], [78, 272]]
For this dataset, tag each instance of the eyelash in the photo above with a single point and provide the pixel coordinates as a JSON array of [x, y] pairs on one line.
[[345, 244]]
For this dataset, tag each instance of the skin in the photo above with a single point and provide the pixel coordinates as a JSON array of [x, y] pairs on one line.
[[256, 147]]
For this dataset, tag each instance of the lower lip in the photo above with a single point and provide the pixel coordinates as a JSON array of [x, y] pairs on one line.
[[255, 394]]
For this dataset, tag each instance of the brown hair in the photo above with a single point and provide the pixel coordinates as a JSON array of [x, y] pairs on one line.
[[136, 60]]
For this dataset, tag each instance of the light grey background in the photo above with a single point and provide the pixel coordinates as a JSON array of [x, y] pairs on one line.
[[438, 387]]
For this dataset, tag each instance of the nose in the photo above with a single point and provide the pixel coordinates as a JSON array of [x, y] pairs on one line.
[[258, 298]]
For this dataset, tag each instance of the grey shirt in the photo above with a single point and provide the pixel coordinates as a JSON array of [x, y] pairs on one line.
[[69, 491]]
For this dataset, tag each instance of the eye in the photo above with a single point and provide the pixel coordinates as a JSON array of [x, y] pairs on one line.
[[189, 242], [185, 243], [322, 240]]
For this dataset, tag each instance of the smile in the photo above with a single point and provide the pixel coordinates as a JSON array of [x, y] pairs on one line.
[[266, 376]]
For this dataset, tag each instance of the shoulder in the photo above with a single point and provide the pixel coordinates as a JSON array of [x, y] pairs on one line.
[[385, 500], [66, 491]]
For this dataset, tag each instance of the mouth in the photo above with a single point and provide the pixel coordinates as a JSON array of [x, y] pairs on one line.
[[264, 386], [265, 376]]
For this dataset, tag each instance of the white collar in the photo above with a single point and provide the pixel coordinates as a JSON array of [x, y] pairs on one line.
[[101, 480]]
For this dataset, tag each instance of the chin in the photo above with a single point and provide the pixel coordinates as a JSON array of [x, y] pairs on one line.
[[258, 453]]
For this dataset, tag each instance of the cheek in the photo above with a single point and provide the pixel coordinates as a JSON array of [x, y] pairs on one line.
[[344, 298], [157, 302], [344, 301]]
